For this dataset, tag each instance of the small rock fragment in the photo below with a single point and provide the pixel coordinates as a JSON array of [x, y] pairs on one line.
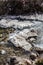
[[3, 52]]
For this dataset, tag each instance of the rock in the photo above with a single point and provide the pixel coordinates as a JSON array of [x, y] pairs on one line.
[[3, 43], [42, 4], [28, 62], [19, 41], [7, 64], [26, 33], [33, 56], [32, 40], [1, 35], [3, 52], [13, 61], [39, 50], [19, 61]]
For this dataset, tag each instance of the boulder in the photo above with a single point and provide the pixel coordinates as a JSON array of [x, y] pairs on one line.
[[20, 39], [26, 33]]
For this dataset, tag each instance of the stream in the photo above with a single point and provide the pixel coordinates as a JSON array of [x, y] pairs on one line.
[[36, 23]]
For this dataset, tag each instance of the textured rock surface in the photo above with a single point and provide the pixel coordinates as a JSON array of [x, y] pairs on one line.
[[20, 39]]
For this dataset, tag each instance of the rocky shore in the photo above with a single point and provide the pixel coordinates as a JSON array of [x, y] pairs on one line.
[[21, 40]]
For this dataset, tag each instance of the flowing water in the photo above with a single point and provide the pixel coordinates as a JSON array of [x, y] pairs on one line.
[[37, 21]]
